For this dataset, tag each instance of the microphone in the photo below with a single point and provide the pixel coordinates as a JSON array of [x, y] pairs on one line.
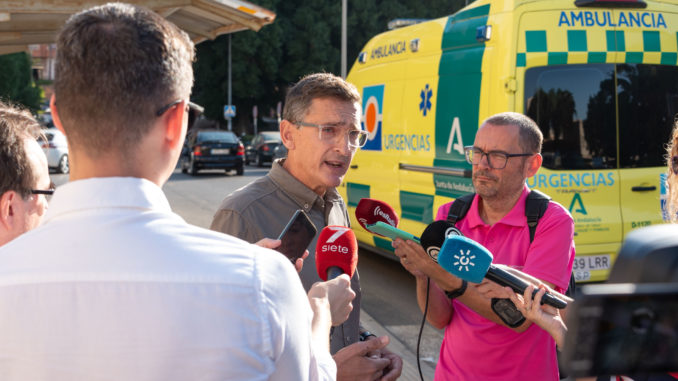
[[370, 211], [336, 252], [471, 261], [434, 235]]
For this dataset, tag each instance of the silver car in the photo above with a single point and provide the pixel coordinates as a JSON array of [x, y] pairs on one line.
[[56, 149]]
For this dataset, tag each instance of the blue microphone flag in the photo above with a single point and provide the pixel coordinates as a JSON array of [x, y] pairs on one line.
[[464, 258]]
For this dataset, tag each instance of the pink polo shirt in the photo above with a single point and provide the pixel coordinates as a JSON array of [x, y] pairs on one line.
[[475, 348]]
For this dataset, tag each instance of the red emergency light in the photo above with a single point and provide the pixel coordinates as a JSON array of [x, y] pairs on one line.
[[611, 3]]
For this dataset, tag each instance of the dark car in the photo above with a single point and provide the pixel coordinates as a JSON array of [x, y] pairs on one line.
[[261, 149], [280, 152], [212, 149]]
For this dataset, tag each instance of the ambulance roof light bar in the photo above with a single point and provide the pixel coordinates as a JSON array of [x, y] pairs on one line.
[[611, 3], [399, 23]]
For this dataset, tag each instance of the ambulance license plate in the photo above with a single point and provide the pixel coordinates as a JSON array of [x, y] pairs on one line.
[[591, 262]]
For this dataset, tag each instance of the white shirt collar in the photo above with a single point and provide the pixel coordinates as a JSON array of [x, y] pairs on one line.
[[106, 192]]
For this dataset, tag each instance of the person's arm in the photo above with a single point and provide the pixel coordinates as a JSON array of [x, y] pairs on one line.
[[298, 324], [440, 310], [339, 294], [318, 297], [545, 316]]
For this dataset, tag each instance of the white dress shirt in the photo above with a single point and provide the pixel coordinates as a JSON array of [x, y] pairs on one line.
[[114, 286]]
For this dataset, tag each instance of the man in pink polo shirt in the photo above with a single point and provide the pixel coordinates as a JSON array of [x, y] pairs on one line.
[[478, 344]]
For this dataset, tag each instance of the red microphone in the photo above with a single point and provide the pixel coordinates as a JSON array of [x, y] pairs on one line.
[[336, 252], [370, 211]]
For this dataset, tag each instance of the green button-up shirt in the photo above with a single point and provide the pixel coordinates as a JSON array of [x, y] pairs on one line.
[[262, 208]]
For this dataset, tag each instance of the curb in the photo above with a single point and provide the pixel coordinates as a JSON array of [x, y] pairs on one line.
[[410, 371]]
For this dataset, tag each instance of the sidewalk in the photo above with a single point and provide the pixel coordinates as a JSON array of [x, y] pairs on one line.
[[410, 371]]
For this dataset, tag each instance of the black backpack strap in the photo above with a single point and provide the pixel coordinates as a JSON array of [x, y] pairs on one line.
[[459, 208], [535, 207]]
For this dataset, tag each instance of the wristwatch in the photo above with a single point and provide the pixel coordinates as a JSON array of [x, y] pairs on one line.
[[458, 292], [365, 334]]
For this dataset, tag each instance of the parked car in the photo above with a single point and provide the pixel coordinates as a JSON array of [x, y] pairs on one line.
[[56, 149], [280, 152], [261, 149], [212, 149]]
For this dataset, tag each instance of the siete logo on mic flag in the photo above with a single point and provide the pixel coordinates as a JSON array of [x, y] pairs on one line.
[[464, 258], [370, 211], [336, 247]]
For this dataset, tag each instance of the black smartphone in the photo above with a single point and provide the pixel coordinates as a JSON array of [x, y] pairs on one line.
[[623, 328], [296, 236]]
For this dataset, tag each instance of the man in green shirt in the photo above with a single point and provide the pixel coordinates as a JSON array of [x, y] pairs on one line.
[[321, 131]]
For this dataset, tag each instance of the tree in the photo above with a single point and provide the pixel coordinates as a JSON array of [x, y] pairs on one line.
[[16, 81], [305, 38]]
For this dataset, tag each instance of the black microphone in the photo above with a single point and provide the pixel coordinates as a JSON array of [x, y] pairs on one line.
[[434, 235], [471, 261]]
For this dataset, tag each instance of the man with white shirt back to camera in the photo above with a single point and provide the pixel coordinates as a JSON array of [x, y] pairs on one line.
[[116, 286]]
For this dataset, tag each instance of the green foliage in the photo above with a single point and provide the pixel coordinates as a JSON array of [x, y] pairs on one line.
[[305, 38], [16, 81]]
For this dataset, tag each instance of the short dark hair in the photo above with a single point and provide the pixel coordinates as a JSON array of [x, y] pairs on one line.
[[312, 86], [16, 125], [531, 137], [116, 65]]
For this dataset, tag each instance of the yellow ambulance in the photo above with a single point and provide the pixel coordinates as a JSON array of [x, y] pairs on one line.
[[600, 78]]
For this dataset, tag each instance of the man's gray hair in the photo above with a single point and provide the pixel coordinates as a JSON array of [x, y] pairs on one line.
[[531, 137], [312, 86]]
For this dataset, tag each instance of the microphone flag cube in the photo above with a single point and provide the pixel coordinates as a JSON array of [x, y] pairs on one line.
[[336, 247], [370, 211], [465, 258]]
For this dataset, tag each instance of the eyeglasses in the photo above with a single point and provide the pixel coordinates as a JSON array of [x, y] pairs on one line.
[[674, 164], [193, 108], [495, 159], [330, 133], [47, 192]]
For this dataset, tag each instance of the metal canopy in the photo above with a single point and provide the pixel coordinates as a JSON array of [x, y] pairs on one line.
[[26, 22]]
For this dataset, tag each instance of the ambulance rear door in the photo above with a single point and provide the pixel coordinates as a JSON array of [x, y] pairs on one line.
[[647, 96], [569, 90]]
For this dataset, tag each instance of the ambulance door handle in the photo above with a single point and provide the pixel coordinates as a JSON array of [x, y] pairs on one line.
[[354, 166], [643, 189]]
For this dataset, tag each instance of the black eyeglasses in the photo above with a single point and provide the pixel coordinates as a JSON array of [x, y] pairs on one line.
[[193, 108], [495, 159], [46, 192], [674, 164]]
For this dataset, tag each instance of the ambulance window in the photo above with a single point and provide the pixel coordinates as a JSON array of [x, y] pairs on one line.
[[574, 108], [648, 103]]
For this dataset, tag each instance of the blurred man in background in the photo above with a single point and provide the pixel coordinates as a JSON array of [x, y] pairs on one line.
[[24, 177]]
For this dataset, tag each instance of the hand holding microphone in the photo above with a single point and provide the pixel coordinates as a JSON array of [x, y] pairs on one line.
[[336, 258], [472, 262]]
